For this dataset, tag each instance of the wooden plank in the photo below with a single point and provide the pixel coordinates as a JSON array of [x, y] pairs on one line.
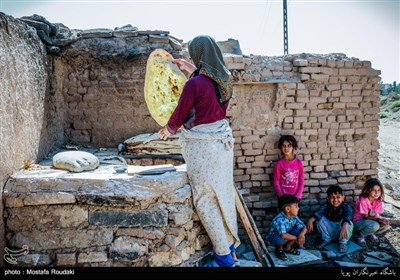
[[150, 170], [255, 229], [245, 219]]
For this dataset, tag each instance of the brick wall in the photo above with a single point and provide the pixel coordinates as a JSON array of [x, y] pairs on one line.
[[330, 103]]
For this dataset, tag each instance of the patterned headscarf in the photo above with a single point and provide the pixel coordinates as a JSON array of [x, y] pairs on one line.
[[207, 58]]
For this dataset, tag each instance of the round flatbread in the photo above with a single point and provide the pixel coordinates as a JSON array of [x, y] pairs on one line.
[[163, 85]]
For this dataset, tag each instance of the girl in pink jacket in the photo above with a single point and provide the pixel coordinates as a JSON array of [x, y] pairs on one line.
[[288, 171]]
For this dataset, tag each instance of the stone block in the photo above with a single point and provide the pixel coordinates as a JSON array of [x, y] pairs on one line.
[[66, 259], [34, 260], [49, 198], [12, 201], [133, 218], [300, 62], [180, 214], [145, 233], [46, 217], [128, 248], [160, 259], [92, 257], [179, 195], [62, 239]]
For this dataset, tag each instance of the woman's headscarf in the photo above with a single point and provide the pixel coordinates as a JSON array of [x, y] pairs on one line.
[[207, 58]]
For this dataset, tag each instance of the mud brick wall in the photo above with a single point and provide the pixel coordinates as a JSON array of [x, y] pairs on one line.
[[29, 126], [102, 82], [330, 103]]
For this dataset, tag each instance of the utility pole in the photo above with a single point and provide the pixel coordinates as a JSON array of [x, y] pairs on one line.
[[285, 29]]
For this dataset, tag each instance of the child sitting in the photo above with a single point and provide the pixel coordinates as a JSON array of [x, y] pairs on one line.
[[367, 220], [286, 228], [333, 219]]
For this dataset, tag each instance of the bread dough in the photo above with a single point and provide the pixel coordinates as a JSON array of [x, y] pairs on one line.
[[163, 86]]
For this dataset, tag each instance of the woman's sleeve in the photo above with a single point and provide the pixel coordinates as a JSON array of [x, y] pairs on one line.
[[185, 104]]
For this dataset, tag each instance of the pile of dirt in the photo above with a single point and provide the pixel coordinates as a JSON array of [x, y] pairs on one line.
[[389, 161], [389, 164]]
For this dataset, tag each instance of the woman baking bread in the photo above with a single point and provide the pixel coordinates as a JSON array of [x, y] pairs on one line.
[[207, 145]]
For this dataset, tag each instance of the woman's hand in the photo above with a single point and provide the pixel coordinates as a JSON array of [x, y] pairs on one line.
[[184, 65], [163, 133]]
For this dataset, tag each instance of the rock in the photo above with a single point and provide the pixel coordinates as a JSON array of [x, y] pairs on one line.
[[230, 46]]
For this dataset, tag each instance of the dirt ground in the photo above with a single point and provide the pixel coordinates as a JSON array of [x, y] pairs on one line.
[[389, 171]]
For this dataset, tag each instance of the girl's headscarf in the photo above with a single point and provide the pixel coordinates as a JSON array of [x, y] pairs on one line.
[[207, 58]]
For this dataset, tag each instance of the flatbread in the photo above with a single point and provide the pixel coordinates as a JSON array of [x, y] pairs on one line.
[[163, 85]]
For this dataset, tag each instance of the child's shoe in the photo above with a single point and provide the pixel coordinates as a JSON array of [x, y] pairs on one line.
[[361, 241], [280, 254], [373, 238], [292, 251], [342, 248]]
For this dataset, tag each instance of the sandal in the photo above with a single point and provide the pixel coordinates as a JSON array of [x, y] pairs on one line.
[[293, 251], [281, 254], [342, 248], [361, 241], [373, 238]]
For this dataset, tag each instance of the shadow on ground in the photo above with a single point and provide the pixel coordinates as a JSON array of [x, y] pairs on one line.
[[381, 254]]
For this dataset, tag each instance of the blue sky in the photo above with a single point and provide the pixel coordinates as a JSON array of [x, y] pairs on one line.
[[368, 30]]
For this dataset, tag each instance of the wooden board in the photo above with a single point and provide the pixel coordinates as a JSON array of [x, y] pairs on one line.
[[163, 86], [150, 170], [257, 243]]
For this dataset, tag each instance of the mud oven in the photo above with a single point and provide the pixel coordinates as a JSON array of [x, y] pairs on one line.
[[102, 218]]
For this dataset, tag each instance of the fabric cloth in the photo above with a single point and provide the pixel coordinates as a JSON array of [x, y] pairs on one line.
[[226, 260], [330, 230], [276, 239], [282, 224], [364, 207], [207, 58], [198, 94], [366, 227], [208, 153], [289, 177], [343, 213]]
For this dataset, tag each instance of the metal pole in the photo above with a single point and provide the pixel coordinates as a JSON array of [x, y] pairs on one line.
[[285, 28]]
